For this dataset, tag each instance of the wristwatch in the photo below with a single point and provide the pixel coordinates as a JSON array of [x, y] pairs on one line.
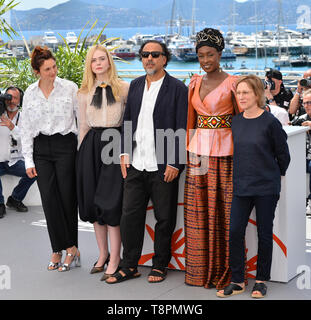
[[271, 100]]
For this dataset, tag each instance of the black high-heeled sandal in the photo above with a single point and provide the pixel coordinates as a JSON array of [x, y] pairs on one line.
[[101, 268], [108, 275]]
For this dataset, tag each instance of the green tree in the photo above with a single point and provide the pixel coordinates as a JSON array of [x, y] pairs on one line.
[[16, 72], [5, 27]]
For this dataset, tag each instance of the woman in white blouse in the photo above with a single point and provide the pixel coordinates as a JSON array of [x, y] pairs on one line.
[[49, 144], [101, 98]]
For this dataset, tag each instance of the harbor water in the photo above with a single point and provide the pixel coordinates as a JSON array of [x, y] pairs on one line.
[[241, 62]]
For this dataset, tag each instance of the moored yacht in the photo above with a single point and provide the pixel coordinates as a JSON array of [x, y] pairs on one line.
[[71, 38], [50, 40], [301, 61], [182, 48], [282, 61], [122, 49], [228, 54]]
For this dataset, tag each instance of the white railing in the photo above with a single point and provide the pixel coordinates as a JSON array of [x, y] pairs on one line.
[[185, 74]]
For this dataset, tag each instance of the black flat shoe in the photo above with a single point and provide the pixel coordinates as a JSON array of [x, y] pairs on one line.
[[230, 290], [158, 273], [261, 288], [101, 268], [126, 274], [16, 204], [2, 210]]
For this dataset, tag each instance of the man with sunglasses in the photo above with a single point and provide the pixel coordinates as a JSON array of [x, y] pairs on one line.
[[11, 159], [156, 101], [305, 120]]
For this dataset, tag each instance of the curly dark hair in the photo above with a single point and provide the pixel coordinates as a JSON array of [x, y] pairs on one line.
[[165, 50], [39, 55]]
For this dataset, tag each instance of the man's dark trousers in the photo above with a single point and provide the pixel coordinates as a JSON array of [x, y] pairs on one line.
[[139, 187]]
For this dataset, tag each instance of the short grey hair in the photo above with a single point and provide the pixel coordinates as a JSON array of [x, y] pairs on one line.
[[306, 93]]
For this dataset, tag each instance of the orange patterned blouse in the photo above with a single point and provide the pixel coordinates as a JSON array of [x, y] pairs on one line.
[[209, 121]]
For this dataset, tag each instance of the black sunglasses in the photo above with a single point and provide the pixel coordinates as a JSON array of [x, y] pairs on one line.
[[154, 54]]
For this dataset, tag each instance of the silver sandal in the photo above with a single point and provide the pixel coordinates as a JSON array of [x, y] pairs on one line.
[[55, 265], [76, 259]]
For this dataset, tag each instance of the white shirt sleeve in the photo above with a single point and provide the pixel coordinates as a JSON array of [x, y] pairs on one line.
[[26, 128], [75, 99], [281, 114]]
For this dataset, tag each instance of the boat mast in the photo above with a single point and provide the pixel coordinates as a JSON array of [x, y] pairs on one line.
[[255, 1], [193, 16], [23, 38], [172, 17], [234, 14], [278, 30]]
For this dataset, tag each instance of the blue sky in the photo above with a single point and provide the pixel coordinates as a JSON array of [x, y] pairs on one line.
[[31, 4]]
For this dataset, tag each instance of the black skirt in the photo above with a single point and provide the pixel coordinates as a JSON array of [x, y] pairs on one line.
[[99, 185]]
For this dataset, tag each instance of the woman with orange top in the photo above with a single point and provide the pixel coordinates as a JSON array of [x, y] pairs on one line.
[[208, 187]]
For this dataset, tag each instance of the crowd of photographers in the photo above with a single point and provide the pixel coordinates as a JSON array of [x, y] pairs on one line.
[[297, 107], [290, 109]]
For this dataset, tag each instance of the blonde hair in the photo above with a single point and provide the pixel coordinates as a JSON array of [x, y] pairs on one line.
[[256, 85], [89, 77]]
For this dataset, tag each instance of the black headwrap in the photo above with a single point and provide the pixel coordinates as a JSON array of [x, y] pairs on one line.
[[210, 37], [98, 96]]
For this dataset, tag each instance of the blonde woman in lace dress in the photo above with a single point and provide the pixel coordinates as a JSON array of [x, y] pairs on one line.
[[101, 98]]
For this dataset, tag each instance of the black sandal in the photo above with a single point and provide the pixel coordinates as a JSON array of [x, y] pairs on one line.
[[128, 274], [231, 290], [159, 273], [261, 288]]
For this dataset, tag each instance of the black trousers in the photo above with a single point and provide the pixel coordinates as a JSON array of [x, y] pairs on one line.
[[55, 158], [139, 187], [240, 211]]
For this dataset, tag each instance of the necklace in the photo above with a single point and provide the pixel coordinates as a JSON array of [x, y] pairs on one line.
[[103, 85]]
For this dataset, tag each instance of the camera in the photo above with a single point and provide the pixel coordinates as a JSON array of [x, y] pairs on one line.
[[305, 82], [3, 98], [298, 121], [268, 84], [13, 142], [271, 73]]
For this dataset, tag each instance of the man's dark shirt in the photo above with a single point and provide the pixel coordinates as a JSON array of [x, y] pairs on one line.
[[283, 98]]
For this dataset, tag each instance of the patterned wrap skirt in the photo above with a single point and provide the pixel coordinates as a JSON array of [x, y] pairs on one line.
[[208, 197]]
